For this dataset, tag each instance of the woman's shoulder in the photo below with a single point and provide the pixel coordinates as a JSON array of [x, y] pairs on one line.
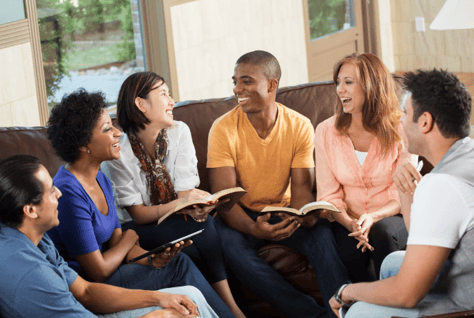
[[328, 125]]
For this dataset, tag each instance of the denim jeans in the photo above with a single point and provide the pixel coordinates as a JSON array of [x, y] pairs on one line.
[[317, 243], [205, 311], [180, 271], [390, 267]]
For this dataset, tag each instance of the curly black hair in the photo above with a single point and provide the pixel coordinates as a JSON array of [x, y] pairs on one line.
[[441, 94], [72, 120]]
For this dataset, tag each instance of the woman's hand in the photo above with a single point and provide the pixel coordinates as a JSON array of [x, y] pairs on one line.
[[160, 260], [197, 212], [356, 230], [406, 177]]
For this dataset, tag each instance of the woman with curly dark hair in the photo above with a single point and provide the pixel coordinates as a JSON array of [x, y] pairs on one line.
[[157, 170], [357, 151], [89, 236]]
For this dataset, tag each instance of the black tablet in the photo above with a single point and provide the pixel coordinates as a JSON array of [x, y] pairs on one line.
[[164, 246]]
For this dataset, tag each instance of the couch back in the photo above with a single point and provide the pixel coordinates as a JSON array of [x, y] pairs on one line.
[[29, 141], [317, 101]]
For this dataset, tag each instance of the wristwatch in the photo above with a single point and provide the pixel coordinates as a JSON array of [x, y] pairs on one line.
[[337, 296]]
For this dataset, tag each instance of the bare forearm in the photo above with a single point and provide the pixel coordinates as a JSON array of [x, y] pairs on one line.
[[406, 200], [103, 298], [391, 208], [387, 292], [343, 218], [134, 252], [142, 214], [237, 219]]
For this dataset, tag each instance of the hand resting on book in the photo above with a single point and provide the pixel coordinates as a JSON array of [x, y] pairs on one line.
[[198, 212], [308, 220]]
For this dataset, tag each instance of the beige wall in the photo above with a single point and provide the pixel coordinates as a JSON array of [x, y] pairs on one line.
[[452, 50], [209, 36], [18, 101]]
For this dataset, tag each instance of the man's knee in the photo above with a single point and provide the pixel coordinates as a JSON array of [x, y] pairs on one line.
[[391, 264]]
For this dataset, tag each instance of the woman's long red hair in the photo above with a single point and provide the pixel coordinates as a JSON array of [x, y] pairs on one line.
[[380, 113]]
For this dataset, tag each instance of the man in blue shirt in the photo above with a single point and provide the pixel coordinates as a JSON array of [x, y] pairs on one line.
[[37, 282]]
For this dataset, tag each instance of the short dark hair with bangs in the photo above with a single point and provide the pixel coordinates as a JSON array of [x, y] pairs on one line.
[[130, 118], [441, 94], [72, 121], [266, 61]]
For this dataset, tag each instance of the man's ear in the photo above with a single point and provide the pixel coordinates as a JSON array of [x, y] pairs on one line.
[[273, 86], [426, 122], [30, 211]]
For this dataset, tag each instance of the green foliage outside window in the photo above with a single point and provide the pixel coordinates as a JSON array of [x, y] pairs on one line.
[[326, 16], [60, 22]]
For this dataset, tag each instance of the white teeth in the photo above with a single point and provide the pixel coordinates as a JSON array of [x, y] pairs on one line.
[[345, 99], [242, 99], [115, 145], [169, 112]]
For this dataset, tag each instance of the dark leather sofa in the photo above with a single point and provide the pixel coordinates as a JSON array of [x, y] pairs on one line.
[[317, 101]]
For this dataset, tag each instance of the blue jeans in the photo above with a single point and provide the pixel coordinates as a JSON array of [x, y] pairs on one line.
[[390, 267], [180, 271], [317, 243], [206, 251], [205, 311]]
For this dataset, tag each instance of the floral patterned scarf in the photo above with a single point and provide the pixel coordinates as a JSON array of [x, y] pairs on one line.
[[157, 177]]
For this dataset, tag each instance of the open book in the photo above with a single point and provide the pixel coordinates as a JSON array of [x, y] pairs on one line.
[[312, 206], [227, 198]]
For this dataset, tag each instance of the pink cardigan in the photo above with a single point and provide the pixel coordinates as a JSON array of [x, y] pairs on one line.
[[340, 178]]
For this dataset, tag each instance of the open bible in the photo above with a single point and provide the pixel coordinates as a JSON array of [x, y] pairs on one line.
[[227, 198], [307, 208]]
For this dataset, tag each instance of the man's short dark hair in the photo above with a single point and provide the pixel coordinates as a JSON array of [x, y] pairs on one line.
[[441, 94], [268, 63], [72, 121], [18, 187]]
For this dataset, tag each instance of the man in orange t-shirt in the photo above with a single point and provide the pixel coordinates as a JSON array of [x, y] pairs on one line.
[[267, 149]]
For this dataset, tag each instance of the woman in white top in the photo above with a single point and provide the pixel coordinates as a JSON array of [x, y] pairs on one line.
[[157, 170]]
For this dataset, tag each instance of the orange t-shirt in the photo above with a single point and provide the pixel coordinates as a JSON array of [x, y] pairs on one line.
[[262, 166], [343, 181]]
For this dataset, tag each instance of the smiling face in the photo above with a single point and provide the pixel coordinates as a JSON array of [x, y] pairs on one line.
[[350, 90], [104, 143], [251, 87], [47, 209], [158, 106]]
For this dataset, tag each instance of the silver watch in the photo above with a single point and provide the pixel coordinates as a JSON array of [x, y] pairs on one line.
[[337, 296]]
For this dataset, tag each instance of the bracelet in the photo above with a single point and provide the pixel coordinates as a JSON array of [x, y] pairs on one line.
[[337, 296]]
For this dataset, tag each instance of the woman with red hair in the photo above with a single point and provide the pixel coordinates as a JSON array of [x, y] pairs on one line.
[[357, 151]]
